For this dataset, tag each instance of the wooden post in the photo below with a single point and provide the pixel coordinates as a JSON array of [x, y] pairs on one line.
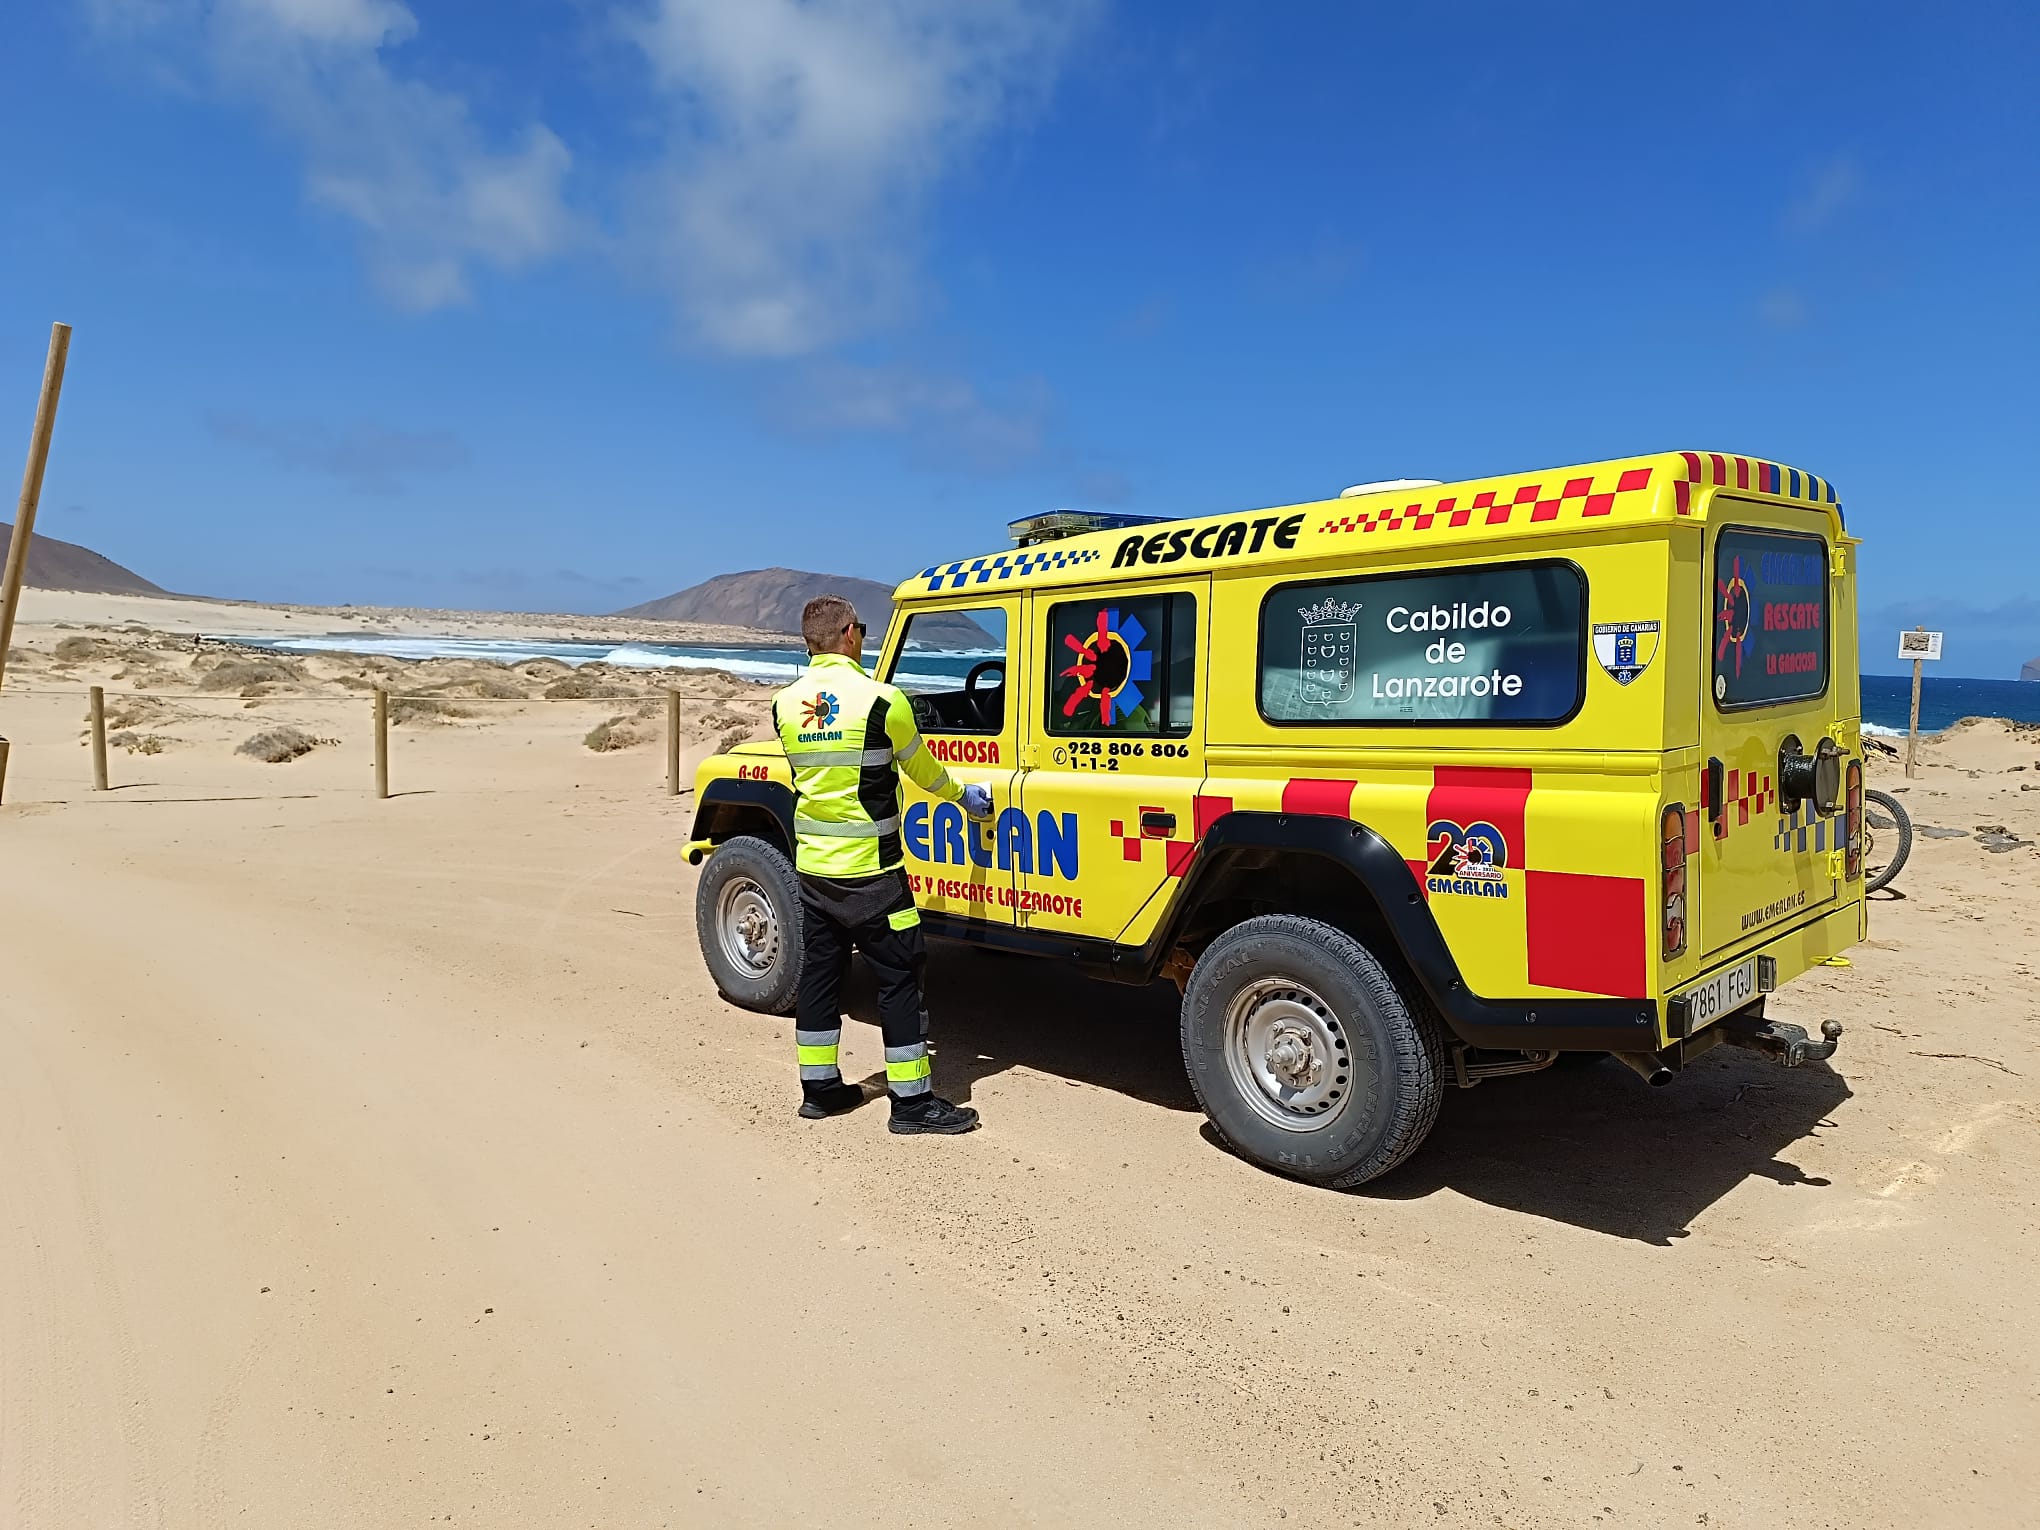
[[382, 743], [99, 738], [1912, 732], [31, 485], [672, 743], [31, 495]]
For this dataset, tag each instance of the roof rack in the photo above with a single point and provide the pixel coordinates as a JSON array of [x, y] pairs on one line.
[[1054, 525]]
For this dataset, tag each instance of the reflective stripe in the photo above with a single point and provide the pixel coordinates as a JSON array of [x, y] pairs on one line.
[[905, 919], [817, 1038], [908, 1072], [906, 1089], [818, 759], [907, 1053], [817, 1057], [908, 750], [824, 830], [814, 1073]]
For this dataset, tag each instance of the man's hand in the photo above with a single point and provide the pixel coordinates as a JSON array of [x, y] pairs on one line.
[[977, 801]]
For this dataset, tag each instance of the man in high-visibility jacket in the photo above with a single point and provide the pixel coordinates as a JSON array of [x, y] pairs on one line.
[[847, 737]]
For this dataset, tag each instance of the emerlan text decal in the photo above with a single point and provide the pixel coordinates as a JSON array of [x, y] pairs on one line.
[[1045, 846], [1226, 541]]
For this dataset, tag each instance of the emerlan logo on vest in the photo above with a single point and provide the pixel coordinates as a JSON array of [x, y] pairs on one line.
[[1047, 846]]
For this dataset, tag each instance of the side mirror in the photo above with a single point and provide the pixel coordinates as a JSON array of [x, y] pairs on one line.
[[1817, 776]]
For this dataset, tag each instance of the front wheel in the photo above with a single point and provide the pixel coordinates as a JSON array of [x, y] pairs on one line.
[[1885, 850], [1304, 1055], [747, 918]]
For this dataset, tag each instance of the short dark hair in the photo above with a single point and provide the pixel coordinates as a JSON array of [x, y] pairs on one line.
[[823, 619]]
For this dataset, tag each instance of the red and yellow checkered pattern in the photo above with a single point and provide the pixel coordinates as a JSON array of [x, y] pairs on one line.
[[1523, 503]]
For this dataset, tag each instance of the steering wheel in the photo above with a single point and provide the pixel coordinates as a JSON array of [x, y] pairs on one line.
[[980, 700]]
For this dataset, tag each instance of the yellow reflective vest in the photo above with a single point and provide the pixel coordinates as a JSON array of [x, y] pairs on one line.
[[847, 737]]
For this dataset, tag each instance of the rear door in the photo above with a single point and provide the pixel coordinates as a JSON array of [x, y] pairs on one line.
[[1115, 755], [1764, 861]]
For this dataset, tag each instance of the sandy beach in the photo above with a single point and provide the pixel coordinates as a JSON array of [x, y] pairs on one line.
[[376, 1163]]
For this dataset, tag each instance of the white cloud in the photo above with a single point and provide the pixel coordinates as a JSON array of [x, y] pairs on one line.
[[402, 160], [945, 419], [805, 136], [1829, 191]]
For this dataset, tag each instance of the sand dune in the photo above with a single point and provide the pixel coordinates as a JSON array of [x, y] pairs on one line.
[[376, 1163]]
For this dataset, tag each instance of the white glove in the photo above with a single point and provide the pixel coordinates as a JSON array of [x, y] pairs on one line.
[[977, 801]]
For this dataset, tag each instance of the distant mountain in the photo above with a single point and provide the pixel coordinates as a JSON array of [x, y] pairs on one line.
[[770, 599], [54, 565], [2030, 670]]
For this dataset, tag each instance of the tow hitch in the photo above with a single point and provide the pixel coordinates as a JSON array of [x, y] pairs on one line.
[[1788, 1044]]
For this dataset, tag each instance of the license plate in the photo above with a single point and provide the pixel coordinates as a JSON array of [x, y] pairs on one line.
[[1722, 994]]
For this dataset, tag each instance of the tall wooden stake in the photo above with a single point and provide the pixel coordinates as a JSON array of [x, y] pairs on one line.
[[99, 738], [382, 742], [31, 485], [672, 743], [31, 496]]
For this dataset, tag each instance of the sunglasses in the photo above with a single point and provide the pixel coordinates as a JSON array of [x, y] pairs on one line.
[[861, 629]]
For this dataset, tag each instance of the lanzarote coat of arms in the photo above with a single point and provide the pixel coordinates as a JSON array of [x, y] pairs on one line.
[[1331, 643]]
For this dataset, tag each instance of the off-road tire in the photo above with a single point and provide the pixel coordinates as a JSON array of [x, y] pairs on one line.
[[1900, 838], [737, 863], [1394, 1052]]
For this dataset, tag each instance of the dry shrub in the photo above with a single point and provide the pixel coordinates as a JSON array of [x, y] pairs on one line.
[[425, 709], [485, 687], [78, 650], [731, 739], [135, 710], [579, 687], [617, 733], [146, 743], [279, 746], [243, 674]]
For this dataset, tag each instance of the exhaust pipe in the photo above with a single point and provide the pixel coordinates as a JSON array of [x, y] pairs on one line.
[[1647, 1066]]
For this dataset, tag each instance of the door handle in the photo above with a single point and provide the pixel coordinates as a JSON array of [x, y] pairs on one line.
[[1717, 783], [1157, 823]]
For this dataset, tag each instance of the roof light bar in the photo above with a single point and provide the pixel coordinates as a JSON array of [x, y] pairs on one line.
[[1054, 525]]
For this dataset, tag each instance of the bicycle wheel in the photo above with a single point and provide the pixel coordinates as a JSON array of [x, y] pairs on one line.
[[1899, 839]]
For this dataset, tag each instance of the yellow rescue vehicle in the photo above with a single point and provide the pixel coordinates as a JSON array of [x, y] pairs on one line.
[[1413, 787]]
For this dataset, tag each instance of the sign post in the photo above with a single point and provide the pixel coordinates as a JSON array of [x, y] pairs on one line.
[[1919, 645]]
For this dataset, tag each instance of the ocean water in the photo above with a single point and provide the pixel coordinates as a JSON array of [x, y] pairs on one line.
[[1886, 698]]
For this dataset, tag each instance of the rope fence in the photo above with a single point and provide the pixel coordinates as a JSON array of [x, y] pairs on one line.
[[379, 700]]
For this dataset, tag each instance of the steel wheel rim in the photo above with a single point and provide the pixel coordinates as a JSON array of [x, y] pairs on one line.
[[1287, 1053], [747, 927]]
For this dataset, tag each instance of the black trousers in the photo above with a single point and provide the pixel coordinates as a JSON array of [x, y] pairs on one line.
[[875, 915]]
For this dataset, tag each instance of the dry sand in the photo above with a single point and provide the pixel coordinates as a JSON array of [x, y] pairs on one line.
[[377, 1163]]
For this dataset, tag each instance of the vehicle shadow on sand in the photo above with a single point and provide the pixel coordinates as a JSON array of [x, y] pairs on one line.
[[1583, 1143]]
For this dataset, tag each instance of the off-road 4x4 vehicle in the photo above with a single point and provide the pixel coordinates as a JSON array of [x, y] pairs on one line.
[[1413, 787]]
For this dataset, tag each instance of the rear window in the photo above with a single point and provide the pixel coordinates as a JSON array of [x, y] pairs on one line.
[[1770, 633], [1502, 644]]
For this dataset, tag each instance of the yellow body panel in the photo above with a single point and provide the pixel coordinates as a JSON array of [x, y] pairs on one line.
[[1566, 899]]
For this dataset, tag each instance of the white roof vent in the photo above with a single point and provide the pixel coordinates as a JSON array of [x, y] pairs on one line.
[[1389, 486]]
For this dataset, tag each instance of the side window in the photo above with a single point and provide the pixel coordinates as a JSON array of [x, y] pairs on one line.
[[952, 665], [1125, 667], [1501, 644], [1770, 617]]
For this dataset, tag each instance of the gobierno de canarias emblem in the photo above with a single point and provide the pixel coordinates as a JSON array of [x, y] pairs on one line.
[[1110, 663]]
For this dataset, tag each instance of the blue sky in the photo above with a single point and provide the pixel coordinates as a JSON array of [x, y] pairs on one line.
[[564, 304]]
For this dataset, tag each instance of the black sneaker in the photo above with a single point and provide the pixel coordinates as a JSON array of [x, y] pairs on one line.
[[830, 1100], [926, 1114]]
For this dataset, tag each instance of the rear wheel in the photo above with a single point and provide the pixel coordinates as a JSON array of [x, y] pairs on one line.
[[747, 918], [1884, 850], [1304, 1054]]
